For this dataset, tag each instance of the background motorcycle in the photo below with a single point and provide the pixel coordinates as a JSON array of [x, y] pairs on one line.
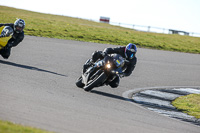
[[101, 72], [6, 34]]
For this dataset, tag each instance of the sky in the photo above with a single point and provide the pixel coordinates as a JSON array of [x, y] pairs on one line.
[[181, 15]]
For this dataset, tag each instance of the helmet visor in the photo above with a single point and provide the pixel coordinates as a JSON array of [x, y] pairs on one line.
[[19, 28], [130, 54]]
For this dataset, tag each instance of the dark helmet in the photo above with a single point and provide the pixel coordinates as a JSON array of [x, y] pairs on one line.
[[7, 31], [19, 25], [130, 51]]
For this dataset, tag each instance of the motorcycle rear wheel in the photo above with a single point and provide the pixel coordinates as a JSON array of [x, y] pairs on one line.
[[95, 82]]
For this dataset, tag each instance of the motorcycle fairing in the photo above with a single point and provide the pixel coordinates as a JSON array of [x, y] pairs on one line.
[[3, 40]]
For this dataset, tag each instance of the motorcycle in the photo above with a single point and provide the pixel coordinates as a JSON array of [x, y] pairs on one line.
[[6, 34], [102, 72]]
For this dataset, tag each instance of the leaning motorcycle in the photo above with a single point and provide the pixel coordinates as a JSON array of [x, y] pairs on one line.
[[102, 72], [6, 34]]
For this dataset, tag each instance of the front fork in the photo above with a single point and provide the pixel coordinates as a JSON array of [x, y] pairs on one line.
[[87, 64]]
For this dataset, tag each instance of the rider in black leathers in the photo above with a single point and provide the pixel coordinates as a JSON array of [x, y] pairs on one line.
[[127, 53], [17, 37]]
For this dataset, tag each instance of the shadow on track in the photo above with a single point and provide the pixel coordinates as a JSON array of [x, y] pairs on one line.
[[110, 95], [29, 67]]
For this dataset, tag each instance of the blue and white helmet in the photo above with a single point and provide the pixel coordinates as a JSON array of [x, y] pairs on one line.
[[130, 51], [19, 25]]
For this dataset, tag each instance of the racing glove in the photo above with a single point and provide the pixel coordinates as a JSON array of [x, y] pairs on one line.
[[104, 54]]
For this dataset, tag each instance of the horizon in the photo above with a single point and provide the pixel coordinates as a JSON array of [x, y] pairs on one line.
[[171, 14]]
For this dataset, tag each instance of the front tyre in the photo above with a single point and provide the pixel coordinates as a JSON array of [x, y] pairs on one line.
[[79, 82], [95, 82]]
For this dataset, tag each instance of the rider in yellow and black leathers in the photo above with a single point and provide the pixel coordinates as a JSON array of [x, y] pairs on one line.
[[16, 38]]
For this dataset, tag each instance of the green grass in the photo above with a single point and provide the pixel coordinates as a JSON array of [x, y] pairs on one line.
[[189, 104], [62, 27], [8, 127]]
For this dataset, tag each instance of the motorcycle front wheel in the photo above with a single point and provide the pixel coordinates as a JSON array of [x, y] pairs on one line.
[[79, 82]]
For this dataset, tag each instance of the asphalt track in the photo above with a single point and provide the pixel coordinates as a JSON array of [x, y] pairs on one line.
[[37, 88]]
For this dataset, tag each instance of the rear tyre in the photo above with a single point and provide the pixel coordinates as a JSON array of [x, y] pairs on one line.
[[95, 82], [79, 82]]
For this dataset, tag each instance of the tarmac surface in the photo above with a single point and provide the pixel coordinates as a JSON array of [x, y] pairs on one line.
[[38, 89]]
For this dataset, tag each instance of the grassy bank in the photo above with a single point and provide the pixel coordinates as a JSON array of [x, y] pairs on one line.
[[189, 104], [62, 27], [8, 127]]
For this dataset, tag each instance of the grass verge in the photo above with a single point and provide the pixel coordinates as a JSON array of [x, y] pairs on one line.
[[62, 27], [8, 127], [189, 104]]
